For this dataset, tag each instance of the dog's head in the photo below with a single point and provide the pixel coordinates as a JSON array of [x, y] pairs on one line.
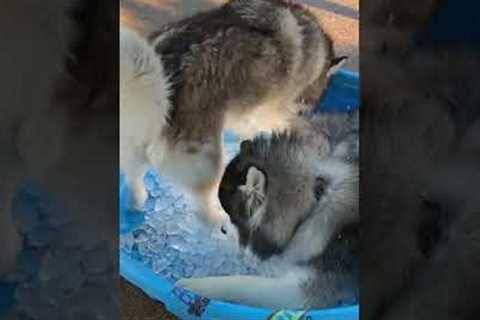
[[275, 185]]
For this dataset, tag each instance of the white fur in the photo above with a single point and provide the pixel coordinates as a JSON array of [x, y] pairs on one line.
[[292, 31], [262, 292], [312, 237], [254, 188], [144, 105], [336, 68]]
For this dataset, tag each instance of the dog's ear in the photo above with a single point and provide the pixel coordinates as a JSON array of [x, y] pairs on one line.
[[254, 189], [336, 64], [256, 180]]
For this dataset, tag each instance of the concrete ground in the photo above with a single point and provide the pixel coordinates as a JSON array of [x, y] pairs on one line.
[[340, 18], [135, 305]]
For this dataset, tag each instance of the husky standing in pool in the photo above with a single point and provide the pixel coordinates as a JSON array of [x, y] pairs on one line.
[[294, 199], [240, 66]]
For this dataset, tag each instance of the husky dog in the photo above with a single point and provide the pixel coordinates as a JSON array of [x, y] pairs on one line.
[[238, 66], [294, 198]]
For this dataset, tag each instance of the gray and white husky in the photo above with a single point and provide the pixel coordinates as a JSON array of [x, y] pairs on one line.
[[239, 66], [294, 200]]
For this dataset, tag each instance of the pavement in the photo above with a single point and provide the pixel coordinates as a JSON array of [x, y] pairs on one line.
[[340, 19]]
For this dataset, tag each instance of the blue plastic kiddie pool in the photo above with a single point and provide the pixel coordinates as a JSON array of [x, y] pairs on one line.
[[342, 95]]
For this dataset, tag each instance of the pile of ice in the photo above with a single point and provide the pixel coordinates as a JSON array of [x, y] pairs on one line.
[[62, 273], [174, 244]]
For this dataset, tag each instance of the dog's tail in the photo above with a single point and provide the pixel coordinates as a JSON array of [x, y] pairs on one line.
[[142, 77], [269, 15]]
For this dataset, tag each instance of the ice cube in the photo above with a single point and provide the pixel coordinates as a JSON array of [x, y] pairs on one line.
[[140, 235], [171, 228], [127, 241], [149, 181]]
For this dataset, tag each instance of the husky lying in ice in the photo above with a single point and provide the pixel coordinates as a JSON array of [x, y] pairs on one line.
[[294, 199]]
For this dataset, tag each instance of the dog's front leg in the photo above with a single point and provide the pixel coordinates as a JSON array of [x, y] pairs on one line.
[[273, 293], [134, 169], [197, 168]]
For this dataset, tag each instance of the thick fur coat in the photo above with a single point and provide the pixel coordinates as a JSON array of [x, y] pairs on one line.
[[241, 66]]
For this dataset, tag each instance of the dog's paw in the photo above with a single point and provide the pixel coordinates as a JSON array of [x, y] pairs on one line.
[[214, 217], [225, 288], [140, 196], [206, 287]]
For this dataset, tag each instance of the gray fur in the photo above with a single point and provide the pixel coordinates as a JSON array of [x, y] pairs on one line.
[[236, 58], [310, 203], [241, 66]]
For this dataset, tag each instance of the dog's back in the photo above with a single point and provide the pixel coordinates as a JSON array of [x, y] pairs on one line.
[[231, 60]]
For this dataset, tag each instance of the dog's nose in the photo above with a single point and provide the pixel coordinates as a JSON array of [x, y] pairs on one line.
[[223, 228], [228, 229]]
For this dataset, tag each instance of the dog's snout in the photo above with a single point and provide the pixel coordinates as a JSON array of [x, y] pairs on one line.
[[223, 229]]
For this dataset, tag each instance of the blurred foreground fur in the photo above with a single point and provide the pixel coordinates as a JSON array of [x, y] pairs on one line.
[[59, 123], [420, 183]]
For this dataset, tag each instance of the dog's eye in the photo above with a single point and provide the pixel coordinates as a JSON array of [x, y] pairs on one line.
[[320, 186]]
